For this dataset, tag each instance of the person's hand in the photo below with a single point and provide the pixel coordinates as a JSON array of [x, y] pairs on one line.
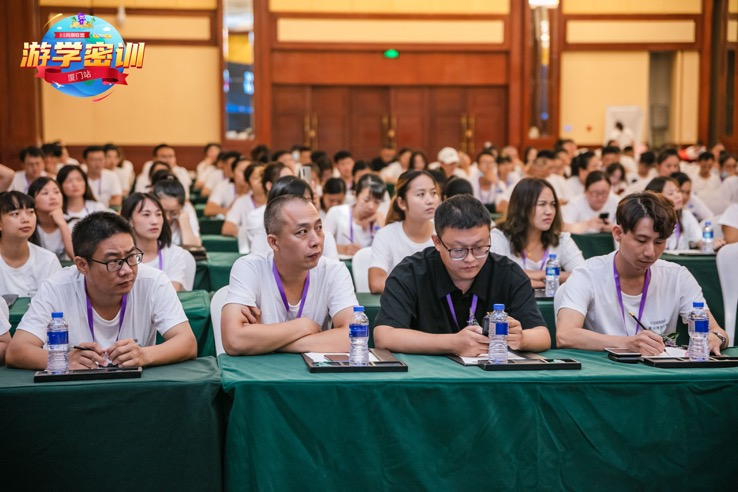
[[126, 353], [252, 314], [647, 343], [86, 359], [349, 249], [470, 342], [183, 217], [57, 215], [537, 278], [309, 325], [514, 333], [714, 343], [718, 243]]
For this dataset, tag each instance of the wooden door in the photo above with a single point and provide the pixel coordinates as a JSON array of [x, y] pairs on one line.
[[331, 106], [446, 106], [370, 120], [290, 107], [487, 109], [409, 110]]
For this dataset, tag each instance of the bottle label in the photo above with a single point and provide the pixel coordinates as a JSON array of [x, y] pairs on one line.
[[358, 331], [701, 325], [501, 328], [58, 338], [553, 271]]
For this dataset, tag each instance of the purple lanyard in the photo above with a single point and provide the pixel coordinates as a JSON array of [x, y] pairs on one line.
[[253, 202], [161, 261], [453, 311], [543, 261], [280, 287], [644, 293], [91, 323], [351, 226], [677, 232], [99, 186]]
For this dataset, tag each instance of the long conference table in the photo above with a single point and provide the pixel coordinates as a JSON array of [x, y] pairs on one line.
[[443, 426]]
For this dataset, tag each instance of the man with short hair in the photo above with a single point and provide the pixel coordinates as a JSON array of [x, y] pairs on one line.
[[104, 183], [286, 158], [33, 167], [705, 181], [433, 298], [593, 306], [343, 163], [113, 305], [166, 153], [667, 162], [610, 154], [52, 158], [288, 299]]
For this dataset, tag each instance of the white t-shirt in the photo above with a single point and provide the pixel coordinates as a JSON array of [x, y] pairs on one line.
[[574, 187], [330, 291], [203, 169], [490, 194], [214, 178], [125, 176], [730, 216], [392, 172], [106, 187], [4, 317], [53, 242], [20, 182], [143, 184], [194, 224], [257, 236], [560, 186], [173, 263], [27, 279], [729, 189], [578, 210], [90, 207], [391, 245], [590, 290], [690, 232], [224, 194], [237, 215], [698, 208], [152, 306], [701, 186], [338, 224], [567, 252]]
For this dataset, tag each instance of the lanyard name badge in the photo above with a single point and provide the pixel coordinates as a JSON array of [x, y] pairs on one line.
[[282, 294], [543, 261], [161, 260], [453, 311], [90, 320], [351, 226], [644, 293]]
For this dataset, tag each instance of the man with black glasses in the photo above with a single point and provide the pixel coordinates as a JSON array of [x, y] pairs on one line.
[[433, 299], [113, 305]]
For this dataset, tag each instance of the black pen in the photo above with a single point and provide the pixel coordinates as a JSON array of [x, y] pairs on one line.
[[663, 338], [81, 348]]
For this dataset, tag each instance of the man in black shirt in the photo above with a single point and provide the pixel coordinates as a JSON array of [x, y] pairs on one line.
[[432, 298]]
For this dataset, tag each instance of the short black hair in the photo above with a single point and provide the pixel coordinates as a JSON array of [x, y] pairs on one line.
[[545, 154], [681, 178], [92, 148], [136, 202], [161, 146], [212, 144], [341, 154], [289, 185], [705, 156], [648, 158], [250, 169], [647, 204], [333, 186], [279, 153], [95, 228], [39, 183], [457, 186], [273, 220], [359, 166], [595, 177], [666, 153], [31, 151], [238, 159], [610, 149], [461, 212], [15, 200], [154, 165], [171, 187], [51, 149], [271, 174], [374, 183], [260, 153]]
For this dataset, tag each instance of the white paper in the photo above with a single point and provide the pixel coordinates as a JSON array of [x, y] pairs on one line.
[[320, 356], [473, 361], [671, 352]]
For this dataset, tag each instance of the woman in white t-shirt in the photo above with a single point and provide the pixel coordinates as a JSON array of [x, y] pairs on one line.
[[179, 212], [409, 225], [390, 173], [53, 231], [79, 202], [532, 231], [115, 161], [353, 226], [729, 223], [226, 192], [594, 211], [687, 232], [154, 237], [235, 221], [207, 165], [23, 264]]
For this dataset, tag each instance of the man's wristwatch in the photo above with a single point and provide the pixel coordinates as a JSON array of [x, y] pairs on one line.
[[723, 340]]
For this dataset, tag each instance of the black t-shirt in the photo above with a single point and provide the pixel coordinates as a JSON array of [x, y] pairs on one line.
[[415, 294]]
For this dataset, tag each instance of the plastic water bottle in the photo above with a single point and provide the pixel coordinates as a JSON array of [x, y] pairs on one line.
[[707, 237], [498, 330], [699, 329], [359, 337], [553, 272], [58, 344]]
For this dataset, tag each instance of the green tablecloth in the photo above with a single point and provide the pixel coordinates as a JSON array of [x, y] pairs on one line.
[[210, 226], [442, 426], [196, 305], [215, 273], [161, 432], [219, 244], [598, 244], [349, 265], [704, 270]]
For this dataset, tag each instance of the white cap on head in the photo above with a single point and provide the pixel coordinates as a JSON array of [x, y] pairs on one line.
[[448, 155]]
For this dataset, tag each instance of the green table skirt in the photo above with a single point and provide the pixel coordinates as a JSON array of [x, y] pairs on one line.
[[215, 273], [704, 270], [594, 244], [219, 244], [210, 226], [442, 426], [196, 305], [161, 432]]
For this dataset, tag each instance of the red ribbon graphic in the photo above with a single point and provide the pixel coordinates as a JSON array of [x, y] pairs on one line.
[[108, 75]]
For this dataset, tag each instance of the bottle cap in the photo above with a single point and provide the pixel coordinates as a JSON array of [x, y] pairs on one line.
[[708, 223], [57, 315], [552, 256], [698, 304], [499, 307], [358, 309]]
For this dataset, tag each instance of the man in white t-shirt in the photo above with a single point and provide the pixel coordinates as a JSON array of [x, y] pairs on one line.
[[33, 167], [287, 300], [104, 183], [166, 153], [593, 306], [113, 305]]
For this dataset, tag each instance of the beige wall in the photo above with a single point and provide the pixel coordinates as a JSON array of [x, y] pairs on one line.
[[162, 102], [141, 4], [632, 6], [685, 97], [592, 81], [394, 6]]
